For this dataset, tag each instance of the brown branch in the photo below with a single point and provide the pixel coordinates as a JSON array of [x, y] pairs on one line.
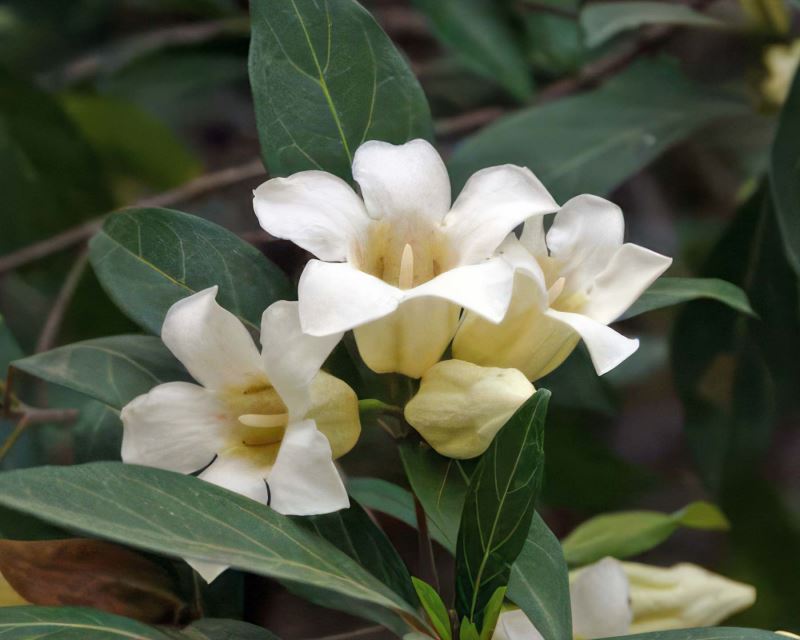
[[52, 325], [75, 235]]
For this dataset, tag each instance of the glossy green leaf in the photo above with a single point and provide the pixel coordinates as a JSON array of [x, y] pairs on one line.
[[379, 495], [499, 507], [434, 607], [354, 532], [539, 583], [592, 142], [666, 292], [553, 43], [69, 623], [468, 630], [785, 174], [96, 433], [601, 21], [480, 32], [113, 370], [130, 142], [219, 629], [325, 78], [629, 533], [182, 516], [492, 613], [707, 633], [440, 484], [148, 259]]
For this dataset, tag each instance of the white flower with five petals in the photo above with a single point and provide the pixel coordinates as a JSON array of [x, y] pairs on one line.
[[398, 263], [571, 283], [266, 425]]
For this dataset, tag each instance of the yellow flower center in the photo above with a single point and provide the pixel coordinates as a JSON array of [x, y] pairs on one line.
[[261, 415]]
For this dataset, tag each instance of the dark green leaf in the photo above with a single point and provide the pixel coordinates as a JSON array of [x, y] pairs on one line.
[[9, 349], [388, 498], [112, 370], [539, 583], [148, 259], [49, 176], [785, 174], [68, 623], [593, 142], [218, 629], [440, 484], [630, 533], [601, 21], [325, 78], [666, 292], [130, 142], [96, 433], [434, 607], [499, 507], [182, 516], [468, 630], [554, 43], [480, 33], [354, 532]]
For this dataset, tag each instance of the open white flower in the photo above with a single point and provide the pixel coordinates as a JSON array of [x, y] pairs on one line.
[[267, 425], [612, 598], [570, 284], [398, 263]]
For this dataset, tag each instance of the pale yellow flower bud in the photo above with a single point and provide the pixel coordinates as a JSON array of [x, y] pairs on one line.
[[781, 61], [461, 406], [682, 596]]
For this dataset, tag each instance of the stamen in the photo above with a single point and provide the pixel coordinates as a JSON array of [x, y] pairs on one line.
[[406, 280], [556, 290], [262, 421]]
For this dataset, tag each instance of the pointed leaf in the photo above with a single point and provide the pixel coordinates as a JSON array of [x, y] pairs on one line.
[[113, 370], [434, 607], [666, 292], [219, 629], [388, 498], [325, 78], [499, 507], [67, 623], [629, 533], [539, 583], [182, 516], [492, 613], [707, 633], [148, 259]]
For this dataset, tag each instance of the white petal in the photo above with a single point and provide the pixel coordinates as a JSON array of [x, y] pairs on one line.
[[628, 274], [292, 358], [514, 625], [176, 426], [240, 471], [484, 288], [304, 480], [599, 595], [402, 181], [335, 297], [533, 236], [210, 341], [315, 210], [207, 570], [586, 232], [492, 203], [606, 347]]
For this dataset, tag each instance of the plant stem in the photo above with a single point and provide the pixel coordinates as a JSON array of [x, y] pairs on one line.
[[19, 429], [427, 561], [52, 326]]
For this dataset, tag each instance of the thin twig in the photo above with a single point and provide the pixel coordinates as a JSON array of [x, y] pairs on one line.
[[358, 633], [19, 429], [192, 189], [52, 325], [427, 561]]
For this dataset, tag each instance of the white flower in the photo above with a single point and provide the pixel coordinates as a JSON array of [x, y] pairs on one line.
[[267, 425], [461, 406], [570, 284], [612, 598], [398, 263]]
